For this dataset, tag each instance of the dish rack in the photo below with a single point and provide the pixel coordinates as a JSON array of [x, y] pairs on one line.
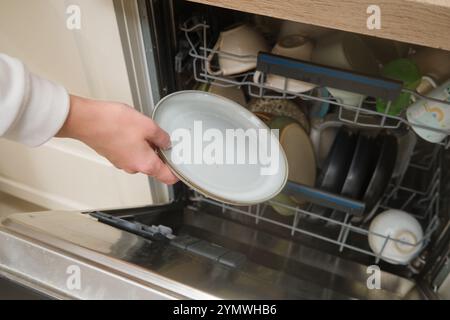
[[422, 204], [362, 115]]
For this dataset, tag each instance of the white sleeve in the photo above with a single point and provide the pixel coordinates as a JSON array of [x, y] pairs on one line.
[[32, 109]]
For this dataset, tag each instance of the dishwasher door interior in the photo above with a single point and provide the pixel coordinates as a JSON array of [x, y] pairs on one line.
[[292, 267], [201, 256]]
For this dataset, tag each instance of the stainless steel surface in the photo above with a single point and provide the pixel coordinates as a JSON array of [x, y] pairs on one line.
[[118, 265], [40, 248], [444, 289], [11, 290], [329, 272]]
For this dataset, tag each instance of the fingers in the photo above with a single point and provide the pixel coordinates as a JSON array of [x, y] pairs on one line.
[[154, 167], [157, 136]]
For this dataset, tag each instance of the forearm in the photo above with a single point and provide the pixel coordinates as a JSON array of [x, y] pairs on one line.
[[119, 133], [83, 119], [33, 110]]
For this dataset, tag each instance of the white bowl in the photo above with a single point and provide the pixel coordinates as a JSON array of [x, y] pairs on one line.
[[244, 42], [397, 225]]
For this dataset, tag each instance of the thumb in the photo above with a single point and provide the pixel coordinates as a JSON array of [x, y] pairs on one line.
[[158, 137]]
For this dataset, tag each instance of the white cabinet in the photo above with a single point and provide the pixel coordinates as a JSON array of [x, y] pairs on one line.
[[65, 174]]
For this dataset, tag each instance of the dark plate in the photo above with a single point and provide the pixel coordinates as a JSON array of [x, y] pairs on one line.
[[361, 169], [383, 171], [336, 166], [338, 161], [360, 172]]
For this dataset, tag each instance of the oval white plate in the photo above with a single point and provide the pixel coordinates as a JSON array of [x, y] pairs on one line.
[[235, 183]]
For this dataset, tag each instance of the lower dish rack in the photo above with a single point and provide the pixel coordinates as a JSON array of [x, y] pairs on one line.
[[342, 232], [422, 204]]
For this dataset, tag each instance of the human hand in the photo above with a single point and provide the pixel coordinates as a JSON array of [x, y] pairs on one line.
[[121, 134]]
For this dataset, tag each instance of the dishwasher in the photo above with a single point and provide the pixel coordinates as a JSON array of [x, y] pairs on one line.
[[188, 246]]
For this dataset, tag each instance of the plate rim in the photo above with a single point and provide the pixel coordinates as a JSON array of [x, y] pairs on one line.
[[359, 144]]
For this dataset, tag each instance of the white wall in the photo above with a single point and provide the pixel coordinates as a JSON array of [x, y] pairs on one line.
[[65, 174]]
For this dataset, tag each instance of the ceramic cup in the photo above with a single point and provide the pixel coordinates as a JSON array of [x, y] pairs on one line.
[[346, 97], [281, 107], [431, 114], [386, 50], [434, 63], [296, 47], [345, 51], [238, 49], [398, 225], [426, 85], [231, 92]]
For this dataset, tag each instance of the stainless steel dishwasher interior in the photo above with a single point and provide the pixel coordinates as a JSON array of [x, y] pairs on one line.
[[274, 246]]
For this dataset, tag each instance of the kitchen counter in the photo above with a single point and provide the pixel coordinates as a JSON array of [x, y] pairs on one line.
[[423, 22]]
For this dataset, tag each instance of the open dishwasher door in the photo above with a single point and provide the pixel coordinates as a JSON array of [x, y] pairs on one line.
[[69, 255]]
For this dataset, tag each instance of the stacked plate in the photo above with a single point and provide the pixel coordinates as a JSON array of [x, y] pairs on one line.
[[358, 166], [301, 159], [293, 129]]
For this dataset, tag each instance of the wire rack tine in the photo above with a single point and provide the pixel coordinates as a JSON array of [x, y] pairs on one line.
[[393, 123]]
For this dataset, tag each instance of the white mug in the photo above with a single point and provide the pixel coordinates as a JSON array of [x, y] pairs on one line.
[[388, 229], [426, 84], [346, 51], [296, 47], [346, 97], [238, 49], [349, 52], [434, 63], [431, 114], [231, 92]]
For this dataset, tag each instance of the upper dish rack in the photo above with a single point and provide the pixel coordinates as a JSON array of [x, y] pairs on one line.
[[362, 115]]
